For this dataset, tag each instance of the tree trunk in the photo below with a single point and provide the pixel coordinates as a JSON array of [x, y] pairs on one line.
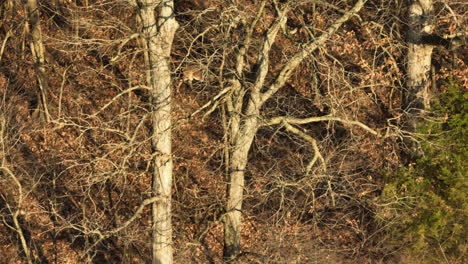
[[159, 35], [416, 97], [37, 49], [419, 57], [237, 165]]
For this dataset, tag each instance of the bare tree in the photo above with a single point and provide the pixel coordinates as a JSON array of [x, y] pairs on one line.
[[244, 111]]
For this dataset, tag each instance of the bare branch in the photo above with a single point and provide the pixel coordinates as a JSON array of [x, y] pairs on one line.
[[248, 38], [119, 95], [2, 49], [292, 64], [300, 121], [312, 141], [214, 101], [16, 212], [145, 203], [264, 56], [263, 62], [104, 234]]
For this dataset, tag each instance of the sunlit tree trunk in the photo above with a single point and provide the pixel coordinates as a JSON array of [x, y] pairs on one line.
[[37, 49], [416, 96], [159, 34], [420, 21], [242, 134]]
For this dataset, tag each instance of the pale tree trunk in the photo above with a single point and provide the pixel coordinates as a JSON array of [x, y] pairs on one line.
[[159, 34], [240, 146], [243, 107], [416, 96], [37, 49], [420, 23]]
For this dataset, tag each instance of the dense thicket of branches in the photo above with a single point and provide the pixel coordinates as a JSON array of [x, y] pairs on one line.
[[75, 183]]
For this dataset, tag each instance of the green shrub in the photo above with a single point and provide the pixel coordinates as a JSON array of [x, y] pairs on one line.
[[430, 219]]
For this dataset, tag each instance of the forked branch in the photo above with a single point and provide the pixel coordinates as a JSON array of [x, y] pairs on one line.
[[294, 62], [312, 141]]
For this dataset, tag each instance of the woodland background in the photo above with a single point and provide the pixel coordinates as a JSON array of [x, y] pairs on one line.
[[68, 185]]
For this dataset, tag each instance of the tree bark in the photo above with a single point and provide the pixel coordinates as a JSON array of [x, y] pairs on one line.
[[37, 49], [159, 35], [419, 58], [416, 97], [237, 165]]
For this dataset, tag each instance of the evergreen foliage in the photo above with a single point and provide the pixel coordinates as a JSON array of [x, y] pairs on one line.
[[432, 219]]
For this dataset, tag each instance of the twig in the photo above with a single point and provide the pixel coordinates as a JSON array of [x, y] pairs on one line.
[[119, 95]]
